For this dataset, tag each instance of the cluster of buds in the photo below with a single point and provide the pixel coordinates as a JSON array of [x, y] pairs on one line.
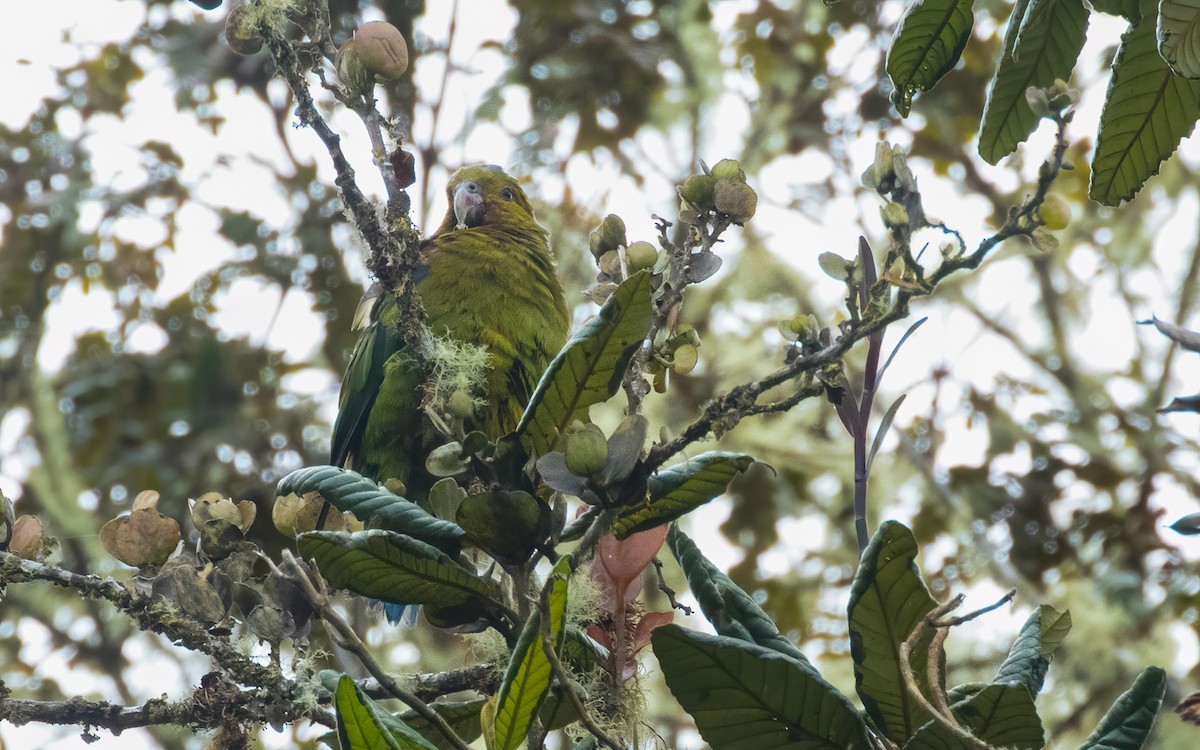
[[617, 258], [721, 189]]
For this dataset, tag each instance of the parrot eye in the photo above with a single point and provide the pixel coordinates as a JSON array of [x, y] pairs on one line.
[[507, 194]]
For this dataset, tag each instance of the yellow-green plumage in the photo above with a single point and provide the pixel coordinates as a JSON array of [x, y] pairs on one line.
[[489, 280]]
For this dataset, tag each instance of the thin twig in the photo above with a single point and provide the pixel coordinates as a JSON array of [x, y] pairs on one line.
[[352, 643], [670, 592]]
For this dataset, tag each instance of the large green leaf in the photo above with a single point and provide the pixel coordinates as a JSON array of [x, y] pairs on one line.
[[1179, 36], [746, 697], [680, 489], [1130, 9], [350, 491], [887, 600], [1127, 724], [927, 45], [529, 672], [391, 567], [1029, 657], [732, 611], [462, 716], [1148, 111], [1043, 41], [589, 368], [363, 725], [1000, 715]]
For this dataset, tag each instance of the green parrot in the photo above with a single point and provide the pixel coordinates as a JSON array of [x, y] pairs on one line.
[[487, 279]]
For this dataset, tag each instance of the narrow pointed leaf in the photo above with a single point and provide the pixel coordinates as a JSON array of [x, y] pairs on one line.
[[732, 611], [364, 725], [1000, 715], [462, 716], [680, 489], [391, 567], [1042, 43], [590, 367], [529, 673], [746, 697], [1029, 657], [884, 425], [350, 491], [927, 45], [1127, 724], [1179, 36], [1148, 110], [887, 600]]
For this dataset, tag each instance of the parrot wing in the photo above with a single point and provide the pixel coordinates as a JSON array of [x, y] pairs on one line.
[[364, 375]]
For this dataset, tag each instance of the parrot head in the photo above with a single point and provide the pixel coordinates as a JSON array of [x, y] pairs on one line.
[[483, 195]]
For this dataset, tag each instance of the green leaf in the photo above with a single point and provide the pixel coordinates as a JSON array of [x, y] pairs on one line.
[[732, 612], [371, 503], [1130, 9], [1043, 41], [506, 525], [680, 489], [1029, 657], [1000, 715], [1147, 112], [391, 567], [1127, 724], [590, 367], [363, 725], [887, 600], [927, 45], [746, 697], [529, 673], [1179, 36], [885, 424], [462, 716]]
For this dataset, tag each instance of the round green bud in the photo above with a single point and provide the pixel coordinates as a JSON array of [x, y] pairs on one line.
[[586, 451], [641, 255], [735, 199], [607, 236], [685, 359], [727, 169], [351, 70], [698, 190], [241, 32], [461, 404], [1054, 212]]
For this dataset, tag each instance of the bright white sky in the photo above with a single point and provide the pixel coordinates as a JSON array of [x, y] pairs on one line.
[[52, 34]]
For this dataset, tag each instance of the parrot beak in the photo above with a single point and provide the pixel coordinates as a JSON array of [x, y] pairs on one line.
[[468, 205]]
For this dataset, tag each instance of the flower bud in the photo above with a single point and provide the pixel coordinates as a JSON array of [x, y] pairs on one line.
[[641, 255], [735, 199], [698, 190], [382, 50], [586, 451], [728, 169], [241, 31]]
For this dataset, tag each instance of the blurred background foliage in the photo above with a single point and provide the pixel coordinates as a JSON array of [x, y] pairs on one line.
[[1063, 496]]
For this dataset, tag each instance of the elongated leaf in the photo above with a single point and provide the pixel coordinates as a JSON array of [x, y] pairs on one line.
[[364, 725], [1029, 657], [746, 697], [1042, 43], [391, 567], [1127, 724], [350, 491], [927, 45], [732, 611], [887, 600], [589, 368], [1179, 36], [680, 489], [462, 716], [885, 424], [1147, 112], [529, 672], [1000, 715]]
